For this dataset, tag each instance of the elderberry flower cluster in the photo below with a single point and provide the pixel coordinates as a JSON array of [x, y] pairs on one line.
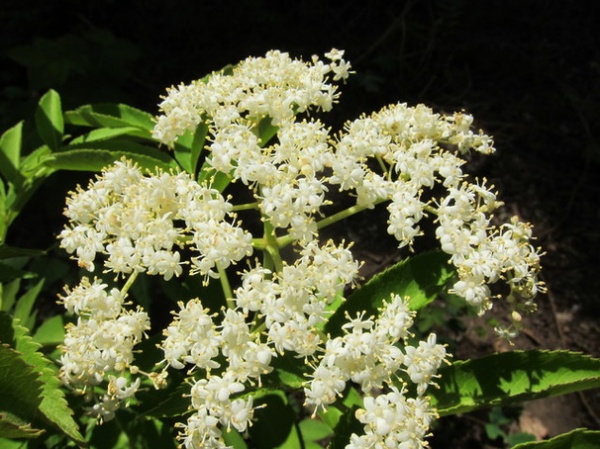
[[100, 345], [139, 222], [260, 136]]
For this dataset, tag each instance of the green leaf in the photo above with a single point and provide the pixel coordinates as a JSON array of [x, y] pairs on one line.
[[421, 278], [9, 273], [95, 159], [12, 427], [10, 144], [266, 131], [170, 402], [346, 426], [518, 438], [8, 252], [274, 425], [53, 408], [314, 430], [232, 438], [51, 332], [198, 145], [512, 377], [111, 115], [287, 372], [20, 385], [108, 133], [576, 439], [49, 120], [25, 303], [10, 154]]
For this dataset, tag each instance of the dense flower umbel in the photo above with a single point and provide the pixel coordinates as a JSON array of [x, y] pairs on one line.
[[135, 222], [100, 345]]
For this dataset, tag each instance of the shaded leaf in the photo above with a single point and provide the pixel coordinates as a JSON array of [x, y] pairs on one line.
[[96, 159], [8, 252], [12, 427], [274, 426], [111, 115], [421, 278], [108, 133]]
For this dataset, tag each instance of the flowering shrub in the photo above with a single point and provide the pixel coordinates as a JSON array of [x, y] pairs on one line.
[[292, 337]]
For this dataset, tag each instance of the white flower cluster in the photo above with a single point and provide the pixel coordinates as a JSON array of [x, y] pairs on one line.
[[415, 149], [368, 355], [417, 146], [393, 420], [273, 86], [100, 345], [290, 304], [139, 221]]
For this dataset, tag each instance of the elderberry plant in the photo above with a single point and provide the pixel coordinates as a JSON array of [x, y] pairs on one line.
[[251, 129]]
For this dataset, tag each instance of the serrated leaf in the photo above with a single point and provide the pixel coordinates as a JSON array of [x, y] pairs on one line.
[[10, 153], [512, 377], [49, 120], [111, 115], [53, 406], [12, 427], [576, 439], [421, 278], [20, 384], [96, 159]]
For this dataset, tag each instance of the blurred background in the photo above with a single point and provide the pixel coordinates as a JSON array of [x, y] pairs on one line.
[[528, 71]]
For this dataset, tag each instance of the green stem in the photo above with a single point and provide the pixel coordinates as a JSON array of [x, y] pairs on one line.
[[226, 286], [129, 283], [247, 206], [272, 259]]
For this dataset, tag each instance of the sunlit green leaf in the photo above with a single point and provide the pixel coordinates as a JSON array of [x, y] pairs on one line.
[[10, 153], [576, 439], [314, 430], [24, 306], [512, 377], [51, 331], [49, 120]]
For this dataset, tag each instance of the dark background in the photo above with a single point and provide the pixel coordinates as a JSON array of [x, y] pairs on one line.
[[527, 70]]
